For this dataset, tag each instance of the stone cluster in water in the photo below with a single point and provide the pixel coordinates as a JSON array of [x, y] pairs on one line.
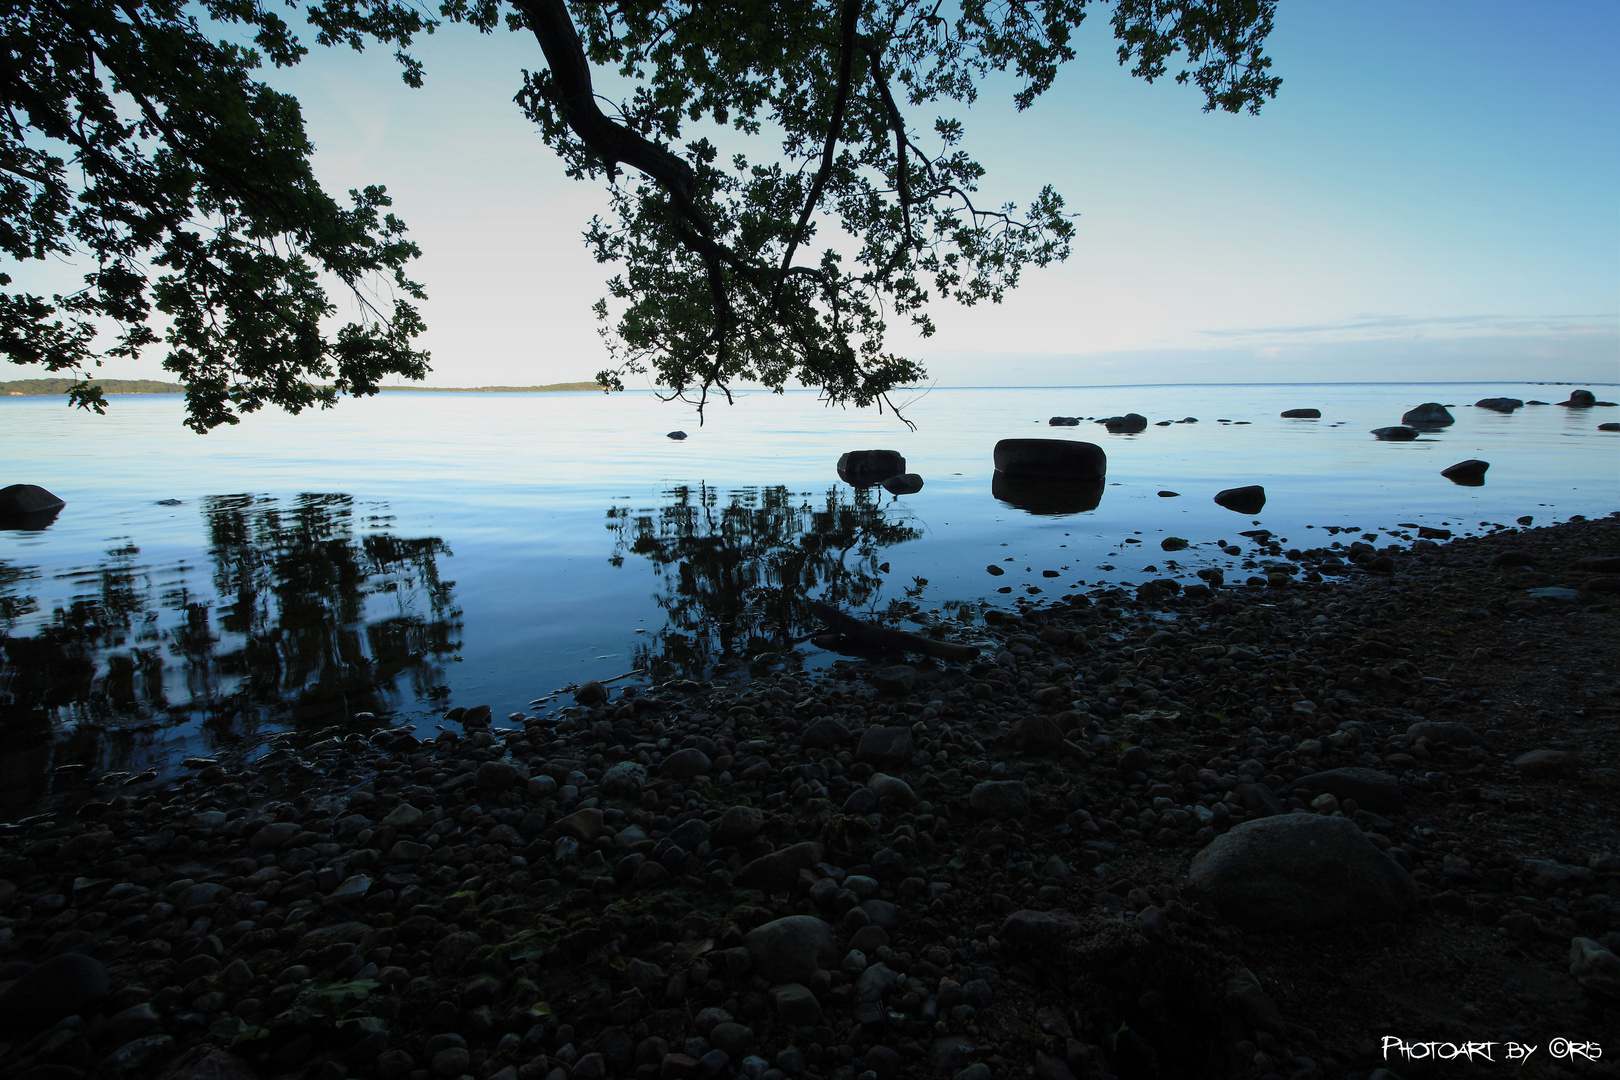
[[1053, 858]]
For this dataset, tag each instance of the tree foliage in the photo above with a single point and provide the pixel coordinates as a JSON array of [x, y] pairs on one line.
[[779, 258]]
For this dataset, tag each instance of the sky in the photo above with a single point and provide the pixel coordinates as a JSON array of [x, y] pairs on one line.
[[1433, 195]]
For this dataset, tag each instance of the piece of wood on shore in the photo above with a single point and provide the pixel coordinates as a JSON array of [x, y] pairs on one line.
[[868, 636]]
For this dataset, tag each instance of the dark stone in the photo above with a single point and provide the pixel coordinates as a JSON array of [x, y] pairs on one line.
[[790, 949], [903, 484], [1302, 414], [1051, 459], [1499, 404], [1037, 932], [676, 435], [865, 468], [1129, 424], [885, 745], [1578, 399], [1373, 790], [28, 506], [898, 679], [1243, 500], [778, 871], [1037, 735], [1398, 433], [1298, 872], [1429, 414], [66, 985], [591, 694], [494, 776], [824, 733], [1470, 473]]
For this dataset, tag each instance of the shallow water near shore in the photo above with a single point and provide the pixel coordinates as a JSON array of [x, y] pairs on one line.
[[415, 550]]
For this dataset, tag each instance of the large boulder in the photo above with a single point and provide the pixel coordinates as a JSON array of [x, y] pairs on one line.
[[1300, 872], [903, 484], [1470, 473], [1047, 498], [791, 949], [1064, 421], [1397, 433], [27, 506], [1580, 399], [1428, 414], [1302, 414], [68, 984], [1499, 404], [1050, 459], [1244, 500], [866, 468]]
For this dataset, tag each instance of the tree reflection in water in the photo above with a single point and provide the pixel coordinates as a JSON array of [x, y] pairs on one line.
[[736, 577], [312, 612]]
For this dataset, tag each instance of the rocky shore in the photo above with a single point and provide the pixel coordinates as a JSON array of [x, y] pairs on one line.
[[1274, 829]]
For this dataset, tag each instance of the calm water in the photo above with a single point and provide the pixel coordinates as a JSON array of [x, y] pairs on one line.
[[421, 549]]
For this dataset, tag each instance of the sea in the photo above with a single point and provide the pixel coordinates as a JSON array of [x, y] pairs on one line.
[[402, 554]]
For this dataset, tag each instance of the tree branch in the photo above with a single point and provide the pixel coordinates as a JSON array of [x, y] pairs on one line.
[[849, 23]]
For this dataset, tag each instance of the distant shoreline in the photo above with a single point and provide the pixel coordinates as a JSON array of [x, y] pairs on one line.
[[58, 387]]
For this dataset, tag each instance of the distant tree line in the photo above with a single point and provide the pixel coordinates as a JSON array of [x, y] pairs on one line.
[[49, 387]]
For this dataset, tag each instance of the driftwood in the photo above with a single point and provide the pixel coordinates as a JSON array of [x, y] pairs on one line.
[[868, 636]]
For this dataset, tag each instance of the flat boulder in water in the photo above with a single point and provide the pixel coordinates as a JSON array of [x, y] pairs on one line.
[[1580, 399], [1302, 414], [1397, 433], [1499, 404], [903, 484], [1050, 459]]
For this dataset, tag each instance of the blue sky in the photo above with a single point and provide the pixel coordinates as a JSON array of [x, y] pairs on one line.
[[1434, 194]]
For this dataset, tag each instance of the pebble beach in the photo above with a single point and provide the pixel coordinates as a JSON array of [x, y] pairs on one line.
[[1245, 829]]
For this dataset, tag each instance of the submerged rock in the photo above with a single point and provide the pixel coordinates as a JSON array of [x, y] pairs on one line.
[[1302, 414], [1397, 433], [1430, 413], [866, 468]]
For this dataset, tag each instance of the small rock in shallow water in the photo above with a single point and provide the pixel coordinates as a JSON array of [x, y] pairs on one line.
[[591, 694]]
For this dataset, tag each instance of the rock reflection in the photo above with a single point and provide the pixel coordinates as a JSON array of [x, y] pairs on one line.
[[1044, 497], [736, 575], [310, 612]]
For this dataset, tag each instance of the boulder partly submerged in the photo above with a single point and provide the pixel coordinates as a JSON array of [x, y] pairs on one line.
[[1396, 433], [1129, 424], [1430, 413], [867, 468], [1243, 500], [1299, 872], [1302, 414], [1050, 459], [1470, 473], [903, 484], [27, 506], [1499, 404], [1580, 399]]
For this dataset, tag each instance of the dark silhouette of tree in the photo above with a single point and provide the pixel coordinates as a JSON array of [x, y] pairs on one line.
[[132, 134]]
